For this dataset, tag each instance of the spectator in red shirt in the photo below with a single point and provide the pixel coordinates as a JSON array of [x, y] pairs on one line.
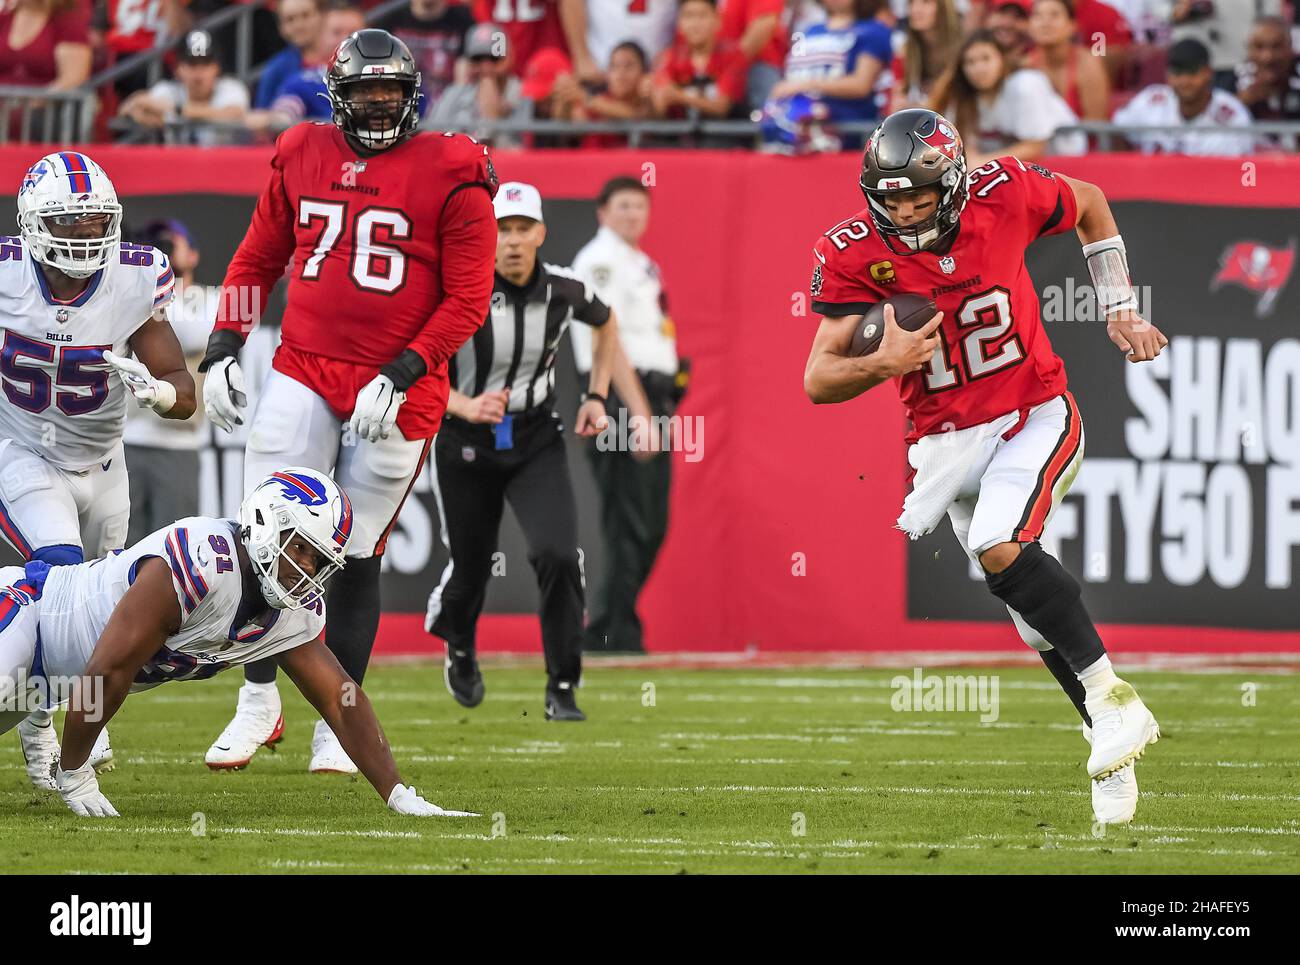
[[625, 95], [1103, 30], [700, 73], [45, 43], [526, 33], [756, 27], [1009, 21], [1076, 74]]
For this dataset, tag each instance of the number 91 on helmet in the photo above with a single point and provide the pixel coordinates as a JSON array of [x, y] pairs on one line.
[[295, 525]]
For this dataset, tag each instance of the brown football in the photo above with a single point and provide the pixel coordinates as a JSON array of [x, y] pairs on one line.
[[910, 312]]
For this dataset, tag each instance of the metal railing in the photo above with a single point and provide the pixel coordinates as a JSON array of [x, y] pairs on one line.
[[58, 116], [700, 132], [1106, 133], [68, 117]]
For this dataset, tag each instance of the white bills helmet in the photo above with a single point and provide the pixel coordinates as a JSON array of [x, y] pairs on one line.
[[58, 191], [295, 502]]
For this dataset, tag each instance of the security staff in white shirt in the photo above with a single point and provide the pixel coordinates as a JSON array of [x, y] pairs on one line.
[[1214, 118], [633, 485]]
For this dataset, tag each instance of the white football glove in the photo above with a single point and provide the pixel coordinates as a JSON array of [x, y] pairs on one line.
[[223, 394], [149, 392], [376, 410], [80, 791], [406, 800]]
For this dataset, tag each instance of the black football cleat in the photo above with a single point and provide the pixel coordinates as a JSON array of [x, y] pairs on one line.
[[461, 675], [560, 704]]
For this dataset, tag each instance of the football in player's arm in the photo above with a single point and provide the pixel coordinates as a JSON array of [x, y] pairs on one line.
[[832, 376]]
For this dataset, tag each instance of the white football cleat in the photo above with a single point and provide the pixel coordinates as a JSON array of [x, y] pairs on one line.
[[101, 755], [1115, 798], [327, 754], [1122, 727], [257, 723], [40, 746]]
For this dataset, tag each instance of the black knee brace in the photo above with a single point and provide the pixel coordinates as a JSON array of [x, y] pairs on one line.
[[1037, 587]]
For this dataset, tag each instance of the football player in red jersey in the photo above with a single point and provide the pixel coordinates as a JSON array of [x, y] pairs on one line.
[[996, 436], [392, 239]]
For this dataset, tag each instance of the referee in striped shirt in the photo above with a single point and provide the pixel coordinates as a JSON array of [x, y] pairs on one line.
[[500, 440]]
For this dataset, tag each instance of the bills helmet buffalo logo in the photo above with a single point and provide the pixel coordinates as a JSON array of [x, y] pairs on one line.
[[299, 488], [1257, 268]]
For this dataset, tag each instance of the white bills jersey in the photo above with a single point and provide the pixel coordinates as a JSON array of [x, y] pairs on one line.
[[217, 631], [60, 397]]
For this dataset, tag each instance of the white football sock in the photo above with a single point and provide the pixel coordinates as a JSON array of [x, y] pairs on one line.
[[1097, 678], [260, 690]]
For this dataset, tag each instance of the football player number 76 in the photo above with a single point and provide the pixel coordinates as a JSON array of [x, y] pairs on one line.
[[375, 266]]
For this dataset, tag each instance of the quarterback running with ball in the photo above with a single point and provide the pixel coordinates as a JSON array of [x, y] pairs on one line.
[[185, 603], [996, 436], [392, 240]]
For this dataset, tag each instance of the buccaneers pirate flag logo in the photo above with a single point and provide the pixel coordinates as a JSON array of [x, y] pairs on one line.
[[1257, 268]]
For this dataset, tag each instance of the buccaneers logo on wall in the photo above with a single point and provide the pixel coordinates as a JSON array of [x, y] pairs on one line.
[[1257, 268]]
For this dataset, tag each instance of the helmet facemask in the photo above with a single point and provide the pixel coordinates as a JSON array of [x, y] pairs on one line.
[[302, 589], [934, 230], [75, 257], [290, 505], [913, 149], [376, 124]]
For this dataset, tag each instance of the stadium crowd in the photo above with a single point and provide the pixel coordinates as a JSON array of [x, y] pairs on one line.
[[814, 74]]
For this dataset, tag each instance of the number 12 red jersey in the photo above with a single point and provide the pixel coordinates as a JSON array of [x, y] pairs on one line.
[[995, 356]]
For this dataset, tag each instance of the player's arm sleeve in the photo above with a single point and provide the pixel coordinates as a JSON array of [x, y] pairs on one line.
[[834, 292], [259, 261], [1048, 202], [165, 283], [468, 230]]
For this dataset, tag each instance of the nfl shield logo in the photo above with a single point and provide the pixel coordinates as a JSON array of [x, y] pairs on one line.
[[62, 316], [467, 453], [947, 265]]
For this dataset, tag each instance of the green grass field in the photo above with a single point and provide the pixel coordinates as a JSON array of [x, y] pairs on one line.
[[751, 770]]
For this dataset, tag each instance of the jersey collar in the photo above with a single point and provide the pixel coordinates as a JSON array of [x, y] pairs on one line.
[[533, 290], [77, 302]]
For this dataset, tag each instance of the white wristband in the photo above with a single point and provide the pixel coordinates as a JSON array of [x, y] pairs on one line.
[[1108, 266]]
